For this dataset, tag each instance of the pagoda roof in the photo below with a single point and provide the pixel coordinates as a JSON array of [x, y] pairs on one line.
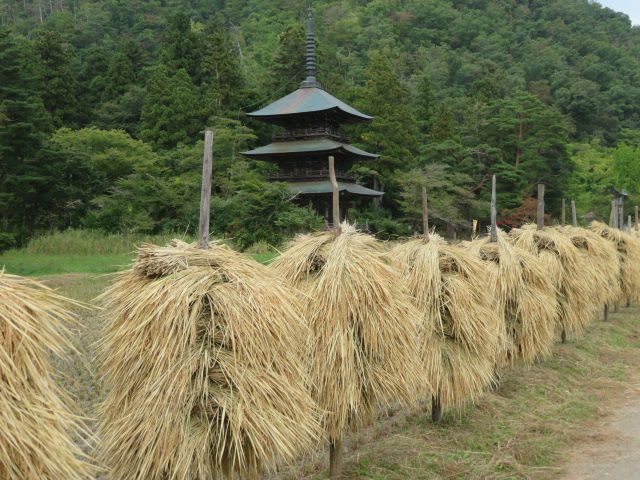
[[308, 100], [322, 187], [313, 146]]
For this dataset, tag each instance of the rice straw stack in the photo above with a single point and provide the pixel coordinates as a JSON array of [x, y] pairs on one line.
[[364, 336], [460, 331], [600, 263], [561, 263], [628, 248], [39, 434], [204, 362], [523, 295]]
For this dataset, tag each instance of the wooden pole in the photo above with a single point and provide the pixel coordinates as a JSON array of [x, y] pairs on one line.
[[436, 409], [606, 312], [205, 192], [574, 214], [613, 217], [621, 213], [335, 195], [563, 215], [540, 213], [636, 224], [335, 459], [494, 211], [425, 214]]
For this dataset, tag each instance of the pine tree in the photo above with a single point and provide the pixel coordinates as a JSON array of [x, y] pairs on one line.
[[120, 75], [180, 46], [221, 72], [59, 83], [25, 124], [170, 113], [288, 65]]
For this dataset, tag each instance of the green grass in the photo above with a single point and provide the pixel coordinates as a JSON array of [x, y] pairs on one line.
[[86, 251], [19, 262]]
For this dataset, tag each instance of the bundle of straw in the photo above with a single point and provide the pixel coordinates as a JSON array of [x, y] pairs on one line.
[[204, 361], [600, 263], [364, 335], [38, 431], [523, 295], [560, 260], [628, 248], [460, 331]]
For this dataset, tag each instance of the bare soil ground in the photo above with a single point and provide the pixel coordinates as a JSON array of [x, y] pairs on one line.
[[610, 450]]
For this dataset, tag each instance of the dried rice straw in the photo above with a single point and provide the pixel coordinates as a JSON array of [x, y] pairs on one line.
[[600, 263], [39, 434], [561, 261], [460, 331], [204, 361], [628, 248], [364, 338], [523, 295]]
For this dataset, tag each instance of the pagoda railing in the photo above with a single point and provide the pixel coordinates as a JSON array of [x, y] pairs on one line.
[[305, 133], [304, 174]]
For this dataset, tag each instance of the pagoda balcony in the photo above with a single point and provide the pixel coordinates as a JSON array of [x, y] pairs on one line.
[[308, 174], [306, 133]]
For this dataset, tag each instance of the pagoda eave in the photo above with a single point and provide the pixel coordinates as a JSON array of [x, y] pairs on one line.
[[308, 148]]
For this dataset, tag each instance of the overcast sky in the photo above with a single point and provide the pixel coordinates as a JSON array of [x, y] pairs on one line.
[[630, 7]]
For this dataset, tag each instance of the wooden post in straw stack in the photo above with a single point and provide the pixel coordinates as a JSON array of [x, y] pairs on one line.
[[205, 192], [336, 452], [363, 349], [436, 404], [494, 212], [636, 223], [205, 348], [540, 212], [563, 214], [574, 214]]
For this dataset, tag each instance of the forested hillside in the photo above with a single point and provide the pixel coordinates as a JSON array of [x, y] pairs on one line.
[[103, 104]]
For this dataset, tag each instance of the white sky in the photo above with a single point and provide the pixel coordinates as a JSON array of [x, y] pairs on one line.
[[630, 7]]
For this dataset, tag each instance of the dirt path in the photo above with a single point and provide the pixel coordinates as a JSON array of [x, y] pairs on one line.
[[611, 450]]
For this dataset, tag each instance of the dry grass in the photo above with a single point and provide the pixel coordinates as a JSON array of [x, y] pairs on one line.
[[364, 336], [561, 261], [523, 295], [204, 360], [628, 247], [39, 432], [460, 332], [600, 263]]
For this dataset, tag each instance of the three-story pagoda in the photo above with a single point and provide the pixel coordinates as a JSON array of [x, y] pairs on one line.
[[311, 119]]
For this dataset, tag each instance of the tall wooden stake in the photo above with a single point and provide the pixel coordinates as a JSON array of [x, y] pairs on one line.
[[613, 218], [335, 459], [563, 214], [574, 214], [335, 446], [494, 211], [621, 213], [425, 214], [205, 192], [335, 194], [636, 224], [540, 214], [436, 409]]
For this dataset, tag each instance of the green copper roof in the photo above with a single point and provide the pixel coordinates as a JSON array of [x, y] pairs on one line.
[[325, 187], [315, 145], [307, 100]]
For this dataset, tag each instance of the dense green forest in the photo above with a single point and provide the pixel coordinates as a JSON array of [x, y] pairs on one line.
[[103, 104]]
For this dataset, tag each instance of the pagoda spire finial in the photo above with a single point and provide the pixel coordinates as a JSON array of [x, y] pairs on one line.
[[311, 80]]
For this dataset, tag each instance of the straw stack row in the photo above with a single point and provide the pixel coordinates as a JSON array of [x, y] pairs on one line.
[[218, 367]]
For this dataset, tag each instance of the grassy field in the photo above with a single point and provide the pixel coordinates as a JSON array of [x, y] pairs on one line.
[[85, 251], [518, 431]]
